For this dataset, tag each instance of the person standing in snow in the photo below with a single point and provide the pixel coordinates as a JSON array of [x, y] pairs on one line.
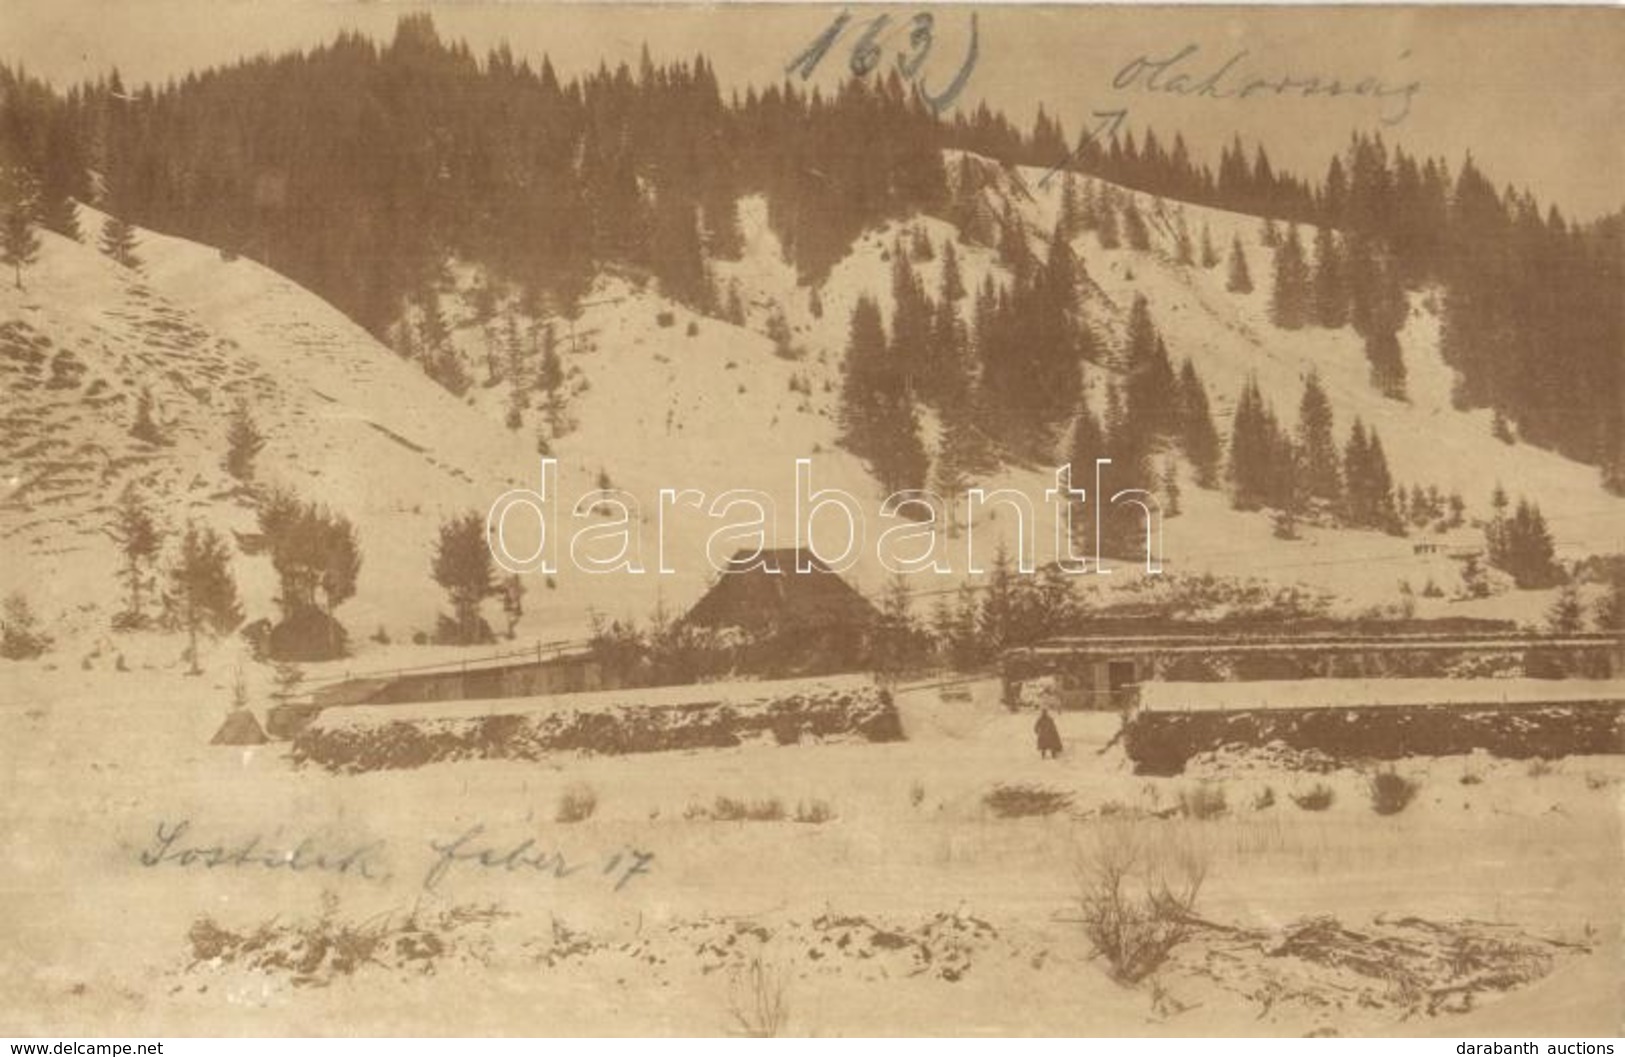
[[1049, 738]]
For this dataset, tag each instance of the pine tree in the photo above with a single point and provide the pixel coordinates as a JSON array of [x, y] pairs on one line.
[[517, 370], [995, 618], [1269, 236], [1106, 229], [778, 332], [920, 248], [1522, 546], [1170, 488], [897, 639], [911, 327], [463, 566], [1331, 307], [119, 242], [202, 593], [243, 442], [1088, 211], [1367, 486], [550, 371], [953, 286], [1183, 251], [136, 531], [1317, 450], [1197, 436], [1071, 219], [1240, 280], [1261, 472], [1387, 363], [1609, 610], [1135, 231], [1150, 394], [20, 636], [878, 421], [1087, 443], [1210, 256], [1289, 299], [19, 244], [317, 558], [1566, 614]]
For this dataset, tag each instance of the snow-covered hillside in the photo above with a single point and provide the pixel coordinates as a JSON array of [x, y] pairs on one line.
[[347, 424], [661, 398], [715, 410]]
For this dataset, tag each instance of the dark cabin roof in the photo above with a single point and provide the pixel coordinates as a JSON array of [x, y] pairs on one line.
[[747, 595]]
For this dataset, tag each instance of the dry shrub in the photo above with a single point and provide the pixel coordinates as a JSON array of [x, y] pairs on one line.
[[1022, 801], [1204, 800], [814, 811], [758, 1001], [1318, 798], [1391, 792], [731, 809], [577, 804], [1138, 897]]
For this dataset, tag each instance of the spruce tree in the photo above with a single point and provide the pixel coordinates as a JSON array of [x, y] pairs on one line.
[[1522, 546], [19, 244], [1330, 291], [317, 558], [1183, 251], [1210, 256], [1566, 614], [1087, 443], [20, 635], [463, 566], [1170, 488], [878, 420], [1135, 231], [139, 537], [1289, 299], [1317, 450], [119, 242], [953, 286], [1387, 363], [1106, 229], [1197, 436], [202, 594], [1240, 280], [1259, 476], [243, 442], [1071, 219]]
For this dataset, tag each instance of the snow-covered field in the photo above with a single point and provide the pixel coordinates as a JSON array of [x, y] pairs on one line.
[[913, 906]]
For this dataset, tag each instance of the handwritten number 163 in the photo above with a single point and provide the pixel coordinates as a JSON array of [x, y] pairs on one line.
[[868, 50]]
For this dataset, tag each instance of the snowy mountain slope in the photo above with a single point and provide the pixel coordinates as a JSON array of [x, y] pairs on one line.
[[347, 423], [664, 398], [660, 408], [1230, 337]]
